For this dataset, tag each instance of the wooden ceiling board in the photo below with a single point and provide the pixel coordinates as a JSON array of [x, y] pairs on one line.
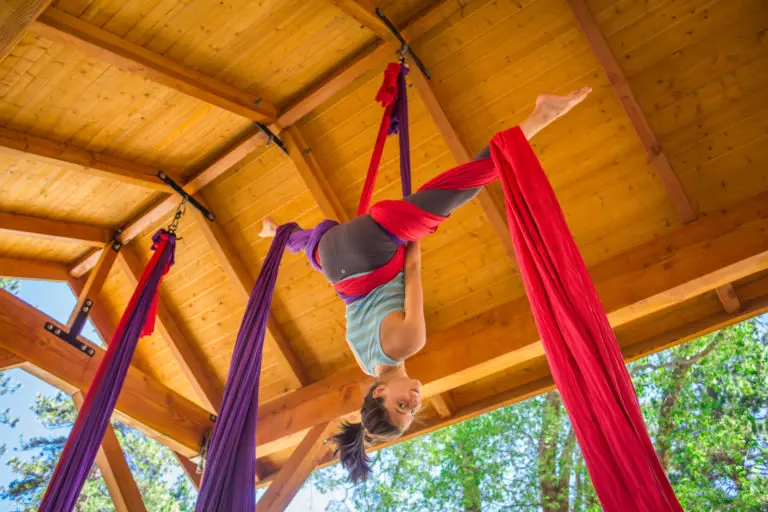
[[14, 245]]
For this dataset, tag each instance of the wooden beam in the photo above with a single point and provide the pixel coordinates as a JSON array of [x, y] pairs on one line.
[[312, 175], [9, 361], [99, 314], [535, 378], [190, 468], [64, 28], [728, 298], [115, 470], [33, 269], [719, 248], [95, 282], [203, 380], [443, 404], [243, 283], [295, 471], [16, 21], [338, 80], [21, 145], [365, 13], [144, 403], [164, 207], [54, 229], [462, 155], [623, 91]]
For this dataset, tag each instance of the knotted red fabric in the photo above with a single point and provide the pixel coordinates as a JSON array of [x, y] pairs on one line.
[[583, 354]]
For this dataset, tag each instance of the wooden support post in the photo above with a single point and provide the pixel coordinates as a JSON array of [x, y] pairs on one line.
[[9, 361], [54, 229], [13, 23], [728, 298], [443, 404], [312, 175], [628, 101], [99, 314], [295, 471], [115, 470], [190, 468], [33, 269], [22, 145], [95, 282], [202, 378], [462, 155], [243, 282], [59, 26]]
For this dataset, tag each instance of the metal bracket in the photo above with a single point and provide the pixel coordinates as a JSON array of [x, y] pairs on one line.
[[185, 196], [203, 455], [404, 47], [69, 337], [271, 137]]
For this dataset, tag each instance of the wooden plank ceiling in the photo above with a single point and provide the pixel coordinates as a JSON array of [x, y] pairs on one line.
[[97, 95]]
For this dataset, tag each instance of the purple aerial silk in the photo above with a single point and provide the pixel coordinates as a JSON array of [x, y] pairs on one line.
[[92, 420], [229, 480], [399, 124]]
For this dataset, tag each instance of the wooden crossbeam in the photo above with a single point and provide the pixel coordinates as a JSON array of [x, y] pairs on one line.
[[295, 471], [96, 279], [115, 470], [443, 404], [203, 380], [144, 403], [59, 26], [364, 12], [54, 229], [312, 175], [190, 468], [15, 20], [9, 361], [690, 261], [243, 282], [613, 71], [99, 314], [22, 145], [22, 268], [728, 298], [462, 155]]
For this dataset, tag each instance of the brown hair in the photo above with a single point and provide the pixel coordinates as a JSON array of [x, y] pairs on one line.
[[351, 441]]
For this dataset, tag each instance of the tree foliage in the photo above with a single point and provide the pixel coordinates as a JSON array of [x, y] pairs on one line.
[[706, 406]]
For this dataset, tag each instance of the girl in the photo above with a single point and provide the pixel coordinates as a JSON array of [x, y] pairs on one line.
[[386, 327]]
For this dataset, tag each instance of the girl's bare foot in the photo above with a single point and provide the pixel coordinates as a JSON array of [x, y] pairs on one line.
[[270, 228], [550, 107]]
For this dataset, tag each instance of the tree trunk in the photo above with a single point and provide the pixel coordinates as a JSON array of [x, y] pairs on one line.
[[469, 477], [553, 487]]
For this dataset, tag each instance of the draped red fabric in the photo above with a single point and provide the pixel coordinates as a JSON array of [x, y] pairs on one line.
[[583, 354]]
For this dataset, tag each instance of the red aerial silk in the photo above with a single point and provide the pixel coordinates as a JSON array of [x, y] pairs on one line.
[[583, 354]]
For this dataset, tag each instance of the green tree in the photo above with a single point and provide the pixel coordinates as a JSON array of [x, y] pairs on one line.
[[706, 406]]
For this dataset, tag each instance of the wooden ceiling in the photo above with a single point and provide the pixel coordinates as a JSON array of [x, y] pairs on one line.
[[662, 175]]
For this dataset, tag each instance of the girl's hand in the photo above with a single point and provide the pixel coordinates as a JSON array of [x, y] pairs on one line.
[[270, 228], [413, 256]]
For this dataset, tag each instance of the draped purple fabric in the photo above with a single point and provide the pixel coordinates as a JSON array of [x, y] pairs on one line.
[[229, 480], [92, 420], [399, 124], [307, 240]]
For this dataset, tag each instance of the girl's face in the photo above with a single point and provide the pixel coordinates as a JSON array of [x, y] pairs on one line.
[[402, 399]]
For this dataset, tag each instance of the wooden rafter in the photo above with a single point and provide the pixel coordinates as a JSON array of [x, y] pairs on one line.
[[54, 229], [115, 470], [8, 361], [22, 145], [243, 282], [194, 366], [312, 175], [94, 283], [365, 12], [295, 471], [693, 260], [443, 404], [728, 298], [21, 268], [190, 468], [59, 26], [144, 403], [99, 314], [462, 155], [16, 21], [613, 71]]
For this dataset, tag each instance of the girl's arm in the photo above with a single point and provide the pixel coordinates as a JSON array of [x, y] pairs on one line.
[[404, 334]]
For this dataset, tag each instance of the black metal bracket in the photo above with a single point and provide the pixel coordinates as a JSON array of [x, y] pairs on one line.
[[201, 458], [71, 338], [185, 196], [271, 137], [404, 46]]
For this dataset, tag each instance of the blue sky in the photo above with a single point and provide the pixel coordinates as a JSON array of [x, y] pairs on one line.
[[57, 300]]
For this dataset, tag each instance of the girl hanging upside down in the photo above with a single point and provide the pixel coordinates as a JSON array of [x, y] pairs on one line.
[[386, 326]]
